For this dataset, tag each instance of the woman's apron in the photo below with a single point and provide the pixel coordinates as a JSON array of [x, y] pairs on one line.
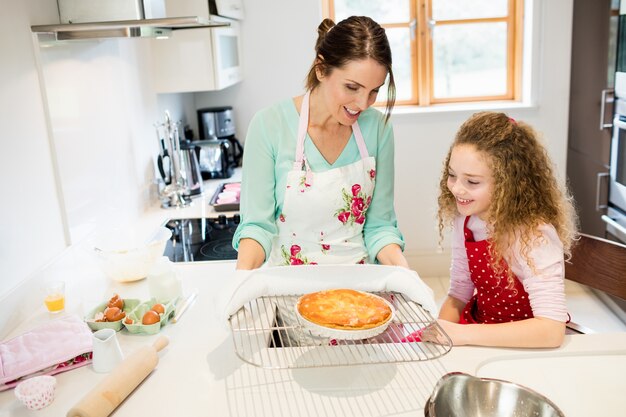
[[493, 302], [324, 212]]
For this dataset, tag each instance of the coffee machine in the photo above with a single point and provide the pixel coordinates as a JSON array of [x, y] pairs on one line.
[[220, 150]]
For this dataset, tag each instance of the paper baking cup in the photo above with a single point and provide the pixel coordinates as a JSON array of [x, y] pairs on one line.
[[37, 392], [340, 334]]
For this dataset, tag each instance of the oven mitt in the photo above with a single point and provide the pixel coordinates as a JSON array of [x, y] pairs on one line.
[[51, 348], [288, 280]]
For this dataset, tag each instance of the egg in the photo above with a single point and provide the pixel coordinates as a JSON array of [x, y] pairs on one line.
[[159, 308], [113, 314], [150, 317], [128, 320], [116, 301]]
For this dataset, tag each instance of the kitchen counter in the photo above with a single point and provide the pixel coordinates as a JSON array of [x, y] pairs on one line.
[[199, 373]]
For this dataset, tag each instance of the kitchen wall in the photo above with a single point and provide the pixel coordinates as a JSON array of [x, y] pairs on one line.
[[278, 52], [78, 143]]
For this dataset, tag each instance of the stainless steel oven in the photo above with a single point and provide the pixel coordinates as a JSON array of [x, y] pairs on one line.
[[615, 218], [617, 172]]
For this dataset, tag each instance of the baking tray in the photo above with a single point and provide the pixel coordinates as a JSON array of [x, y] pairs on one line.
[[223, 207], [267, 334]]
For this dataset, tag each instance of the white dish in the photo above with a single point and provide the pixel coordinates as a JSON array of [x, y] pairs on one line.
[[323, 331]]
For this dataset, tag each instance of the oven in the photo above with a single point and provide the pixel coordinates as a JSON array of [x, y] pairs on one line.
[[615, 218], [202, 239]]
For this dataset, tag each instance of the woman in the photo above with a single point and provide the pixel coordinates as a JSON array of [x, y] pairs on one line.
[[317, 182]]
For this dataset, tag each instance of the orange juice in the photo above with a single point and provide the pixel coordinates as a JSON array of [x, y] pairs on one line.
[[55, 303]]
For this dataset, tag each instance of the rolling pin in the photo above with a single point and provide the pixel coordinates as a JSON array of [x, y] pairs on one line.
[[115, 387]]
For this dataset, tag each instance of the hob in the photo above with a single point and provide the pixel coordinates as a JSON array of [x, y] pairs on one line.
[[202, 239]]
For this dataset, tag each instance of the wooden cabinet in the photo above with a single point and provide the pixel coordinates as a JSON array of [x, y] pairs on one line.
[[593, 65]]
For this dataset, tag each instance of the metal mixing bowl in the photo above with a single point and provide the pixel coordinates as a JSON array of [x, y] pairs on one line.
[[459, 395]]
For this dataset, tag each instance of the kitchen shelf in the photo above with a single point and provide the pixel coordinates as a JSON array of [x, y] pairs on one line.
[[264, 339]]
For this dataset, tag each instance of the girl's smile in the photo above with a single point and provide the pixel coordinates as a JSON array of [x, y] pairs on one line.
[[470, 180]]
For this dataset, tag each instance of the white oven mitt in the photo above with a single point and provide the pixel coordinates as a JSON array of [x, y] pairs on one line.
[[245, 286]]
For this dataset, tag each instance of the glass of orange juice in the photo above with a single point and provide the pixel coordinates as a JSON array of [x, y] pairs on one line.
[[55, 296]]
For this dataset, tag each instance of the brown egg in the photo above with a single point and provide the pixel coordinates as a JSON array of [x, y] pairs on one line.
[[116, 301], [128, 320], [150, 317], [159, 308], [113, 314]]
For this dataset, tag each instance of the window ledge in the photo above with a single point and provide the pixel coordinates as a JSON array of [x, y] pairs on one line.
[[461, 107]]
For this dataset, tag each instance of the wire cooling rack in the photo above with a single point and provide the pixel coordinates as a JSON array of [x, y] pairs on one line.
[[267, 333]]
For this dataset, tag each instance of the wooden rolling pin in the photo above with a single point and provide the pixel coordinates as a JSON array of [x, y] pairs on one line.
[[115, 387]]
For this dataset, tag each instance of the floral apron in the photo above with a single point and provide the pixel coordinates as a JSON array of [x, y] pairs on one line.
[[324, 212], [493, 301]]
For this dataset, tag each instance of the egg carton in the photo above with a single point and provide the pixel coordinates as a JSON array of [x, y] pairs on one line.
[[135, 310]]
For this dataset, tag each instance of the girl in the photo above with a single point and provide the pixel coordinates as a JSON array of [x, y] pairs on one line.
[[512, 226]]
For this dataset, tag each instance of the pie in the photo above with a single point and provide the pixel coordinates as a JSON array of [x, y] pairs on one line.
[[344, 309]]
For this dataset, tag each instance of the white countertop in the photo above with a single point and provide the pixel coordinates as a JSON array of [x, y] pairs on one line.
[[199, 373]]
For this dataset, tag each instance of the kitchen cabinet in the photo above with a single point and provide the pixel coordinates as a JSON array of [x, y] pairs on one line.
[[594, 37], [199, 59]]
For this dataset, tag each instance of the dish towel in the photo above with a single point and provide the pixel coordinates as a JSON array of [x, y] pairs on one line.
[[245, 286], [51, 348]]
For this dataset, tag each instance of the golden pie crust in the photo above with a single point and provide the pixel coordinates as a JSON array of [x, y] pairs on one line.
[[344, 309]]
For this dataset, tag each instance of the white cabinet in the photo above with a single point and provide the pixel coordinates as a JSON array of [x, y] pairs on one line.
[[201, 59]]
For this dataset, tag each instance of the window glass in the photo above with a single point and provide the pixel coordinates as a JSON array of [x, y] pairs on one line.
[[468, 9], [400, 42], [450, 50], [470, 60], [388, 11]]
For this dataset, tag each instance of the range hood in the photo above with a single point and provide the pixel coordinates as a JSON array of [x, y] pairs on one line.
[[139, 28], [93, 19]]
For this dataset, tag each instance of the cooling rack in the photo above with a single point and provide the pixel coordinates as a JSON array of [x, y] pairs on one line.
[[267, 333]]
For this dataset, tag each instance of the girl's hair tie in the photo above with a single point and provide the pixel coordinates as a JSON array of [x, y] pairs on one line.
[[512, 120]]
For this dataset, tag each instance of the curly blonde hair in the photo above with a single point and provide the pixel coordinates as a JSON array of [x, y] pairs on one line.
[[526, 193]]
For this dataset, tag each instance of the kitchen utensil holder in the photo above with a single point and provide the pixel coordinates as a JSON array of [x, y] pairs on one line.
[[175, 194], [263, 339]]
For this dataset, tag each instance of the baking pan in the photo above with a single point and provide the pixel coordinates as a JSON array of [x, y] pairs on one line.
[[227, 206]]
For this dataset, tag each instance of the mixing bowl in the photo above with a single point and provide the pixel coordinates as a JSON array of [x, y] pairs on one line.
[[459, 395], [128, 255]]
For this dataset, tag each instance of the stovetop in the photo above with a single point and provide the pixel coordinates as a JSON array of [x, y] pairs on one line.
[[202, 239]]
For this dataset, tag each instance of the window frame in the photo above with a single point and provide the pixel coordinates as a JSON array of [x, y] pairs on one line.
[[421, 50]]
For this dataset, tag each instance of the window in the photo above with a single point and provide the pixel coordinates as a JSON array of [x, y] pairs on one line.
[[447, 51]]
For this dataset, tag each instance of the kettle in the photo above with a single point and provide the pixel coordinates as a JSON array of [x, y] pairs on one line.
[[214, 158], [190, 168]]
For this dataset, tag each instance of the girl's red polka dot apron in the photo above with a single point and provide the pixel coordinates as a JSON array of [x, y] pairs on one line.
[[324, 212], [494, 301]]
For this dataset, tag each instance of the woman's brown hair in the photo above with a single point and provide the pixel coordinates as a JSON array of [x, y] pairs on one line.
[[352, 39], [526, 193]]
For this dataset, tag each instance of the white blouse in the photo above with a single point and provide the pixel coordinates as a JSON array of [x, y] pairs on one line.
[[545, 286]]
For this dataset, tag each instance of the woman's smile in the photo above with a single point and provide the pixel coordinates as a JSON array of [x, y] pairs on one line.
[[352, 114]]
